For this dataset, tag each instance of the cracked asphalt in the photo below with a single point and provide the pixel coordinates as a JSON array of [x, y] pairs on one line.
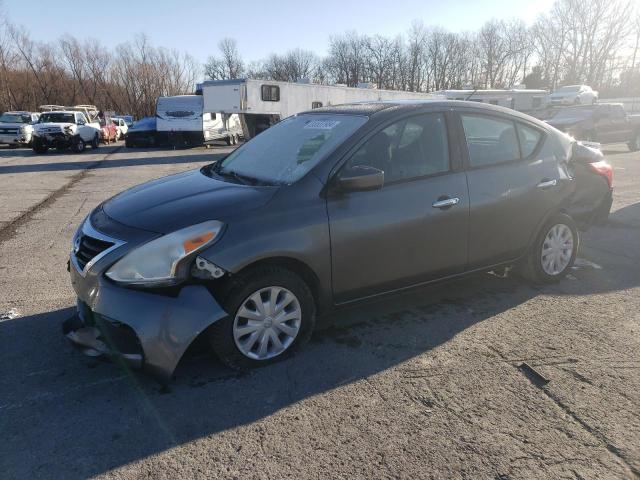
[[423, 385]]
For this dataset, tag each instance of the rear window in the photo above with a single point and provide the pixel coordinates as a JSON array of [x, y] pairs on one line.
[[529, 138], [490, 140]]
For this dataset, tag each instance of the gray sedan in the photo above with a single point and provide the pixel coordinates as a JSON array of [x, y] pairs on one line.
[[326, 208]]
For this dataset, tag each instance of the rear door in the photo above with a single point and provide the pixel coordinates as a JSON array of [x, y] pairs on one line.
[[514, 182], [413, 229]]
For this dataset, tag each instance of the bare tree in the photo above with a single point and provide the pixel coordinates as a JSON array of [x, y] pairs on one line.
[[228, 65]]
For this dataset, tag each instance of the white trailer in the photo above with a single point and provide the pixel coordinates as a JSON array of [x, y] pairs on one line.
[[523, 100], [188, 122], [261, 103]]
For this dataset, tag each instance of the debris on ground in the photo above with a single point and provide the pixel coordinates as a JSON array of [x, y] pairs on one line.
[[10, 315]]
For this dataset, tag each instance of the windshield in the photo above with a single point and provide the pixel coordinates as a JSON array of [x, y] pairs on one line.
[[57, 117], [15, 118], [571, 113], [287, 151]]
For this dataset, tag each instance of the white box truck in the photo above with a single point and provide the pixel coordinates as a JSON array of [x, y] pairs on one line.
[[187, 123]]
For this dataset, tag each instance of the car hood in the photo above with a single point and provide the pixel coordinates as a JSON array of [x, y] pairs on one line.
[[181, 200], [13, 125], [52, 126]]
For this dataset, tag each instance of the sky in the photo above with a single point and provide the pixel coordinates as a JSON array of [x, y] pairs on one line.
[[260, 27]]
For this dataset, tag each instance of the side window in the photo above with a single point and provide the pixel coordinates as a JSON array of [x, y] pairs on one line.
[[270, 93], [411, 148], [316, 104], [529, 138], [490, 140]]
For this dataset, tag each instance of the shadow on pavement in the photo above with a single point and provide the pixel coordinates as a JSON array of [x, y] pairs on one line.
[[64, 415]]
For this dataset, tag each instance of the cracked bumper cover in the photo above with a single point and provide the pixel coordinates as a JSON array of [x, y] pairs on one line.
[[164, 326]]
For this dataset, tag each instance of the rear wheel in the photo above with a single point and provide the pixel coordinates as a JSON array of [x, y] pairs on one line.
[[229, 141], [553, 252], [271, 313]]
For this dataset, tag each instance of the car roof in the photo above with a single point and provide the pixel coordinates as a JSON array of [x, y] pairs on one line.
[[370, 108]]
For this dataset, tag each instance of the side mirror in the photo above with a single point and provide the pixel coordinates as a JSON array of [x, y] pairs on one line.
[[359, 178], [81, 122]]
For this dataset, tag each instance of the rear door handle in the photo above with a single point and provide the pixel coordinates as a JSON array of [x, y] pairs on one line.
[[446, 202], [547, 183]]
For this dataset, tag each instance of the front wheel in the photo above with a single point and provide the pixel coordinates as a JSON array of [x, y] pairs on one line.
[[78, 145], [271, 313], [553, 252], [39, 146], [95, 143]]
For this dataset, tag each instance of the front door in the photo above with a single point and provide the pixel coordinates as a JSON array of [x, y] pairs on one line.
[[411, 230]]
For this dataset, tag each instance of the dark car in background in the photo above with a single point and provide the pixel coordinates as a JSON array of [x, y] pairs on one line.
[[326, 208], [603, 123], [143, 133]]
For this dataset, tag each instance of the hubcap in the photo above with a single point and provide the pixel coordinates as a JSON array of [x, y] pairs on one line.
[[267, 323], [557, 249]]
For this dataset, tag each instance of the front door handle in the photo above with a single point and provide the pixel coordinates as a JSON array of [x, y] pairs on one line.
[[547, 183], [445, 202]]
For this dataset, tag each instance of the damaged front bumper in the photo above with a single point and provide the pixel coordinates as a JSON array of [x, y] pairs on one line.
[[142, 328]]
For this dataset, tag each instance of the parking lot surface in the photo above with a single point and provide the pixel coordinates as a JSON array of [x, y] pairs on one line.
[[429, 384]]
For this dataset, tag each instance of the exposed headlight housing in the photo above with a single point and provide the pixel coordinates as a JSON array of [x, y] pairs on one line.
[[158, 263]]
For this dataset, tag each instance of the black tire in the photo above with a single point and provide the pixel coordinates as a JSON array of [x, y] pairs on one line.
[[95, 143], [78, 145], [39, 147], [127, 143], [532, 269], [634, 144], [238, 289], [577, 101]]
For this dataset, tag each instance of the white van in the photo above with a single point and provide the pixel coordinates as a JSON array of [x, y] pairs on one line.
[[187, 124]]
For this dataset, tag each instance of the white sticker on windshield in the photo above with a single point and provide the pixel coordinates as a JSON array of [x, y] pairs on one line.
[[322, 124]]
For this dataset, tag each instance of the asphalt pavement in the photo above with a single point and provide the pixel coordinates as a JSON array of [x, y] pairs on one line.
[[429, 384]]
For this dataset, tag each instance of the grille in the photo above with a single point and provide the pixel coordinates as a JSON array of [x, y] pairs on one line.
[[11, 131], [89, 248]]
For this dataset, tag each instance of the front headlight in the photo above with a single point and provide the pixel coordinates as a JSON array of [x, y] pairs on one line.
[[23, 130], [157, 262]]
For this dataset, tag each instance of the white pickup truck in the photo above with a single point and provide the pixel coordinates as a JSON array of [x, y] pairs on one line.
[[121, 127], [64, 129], [16, 128]]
